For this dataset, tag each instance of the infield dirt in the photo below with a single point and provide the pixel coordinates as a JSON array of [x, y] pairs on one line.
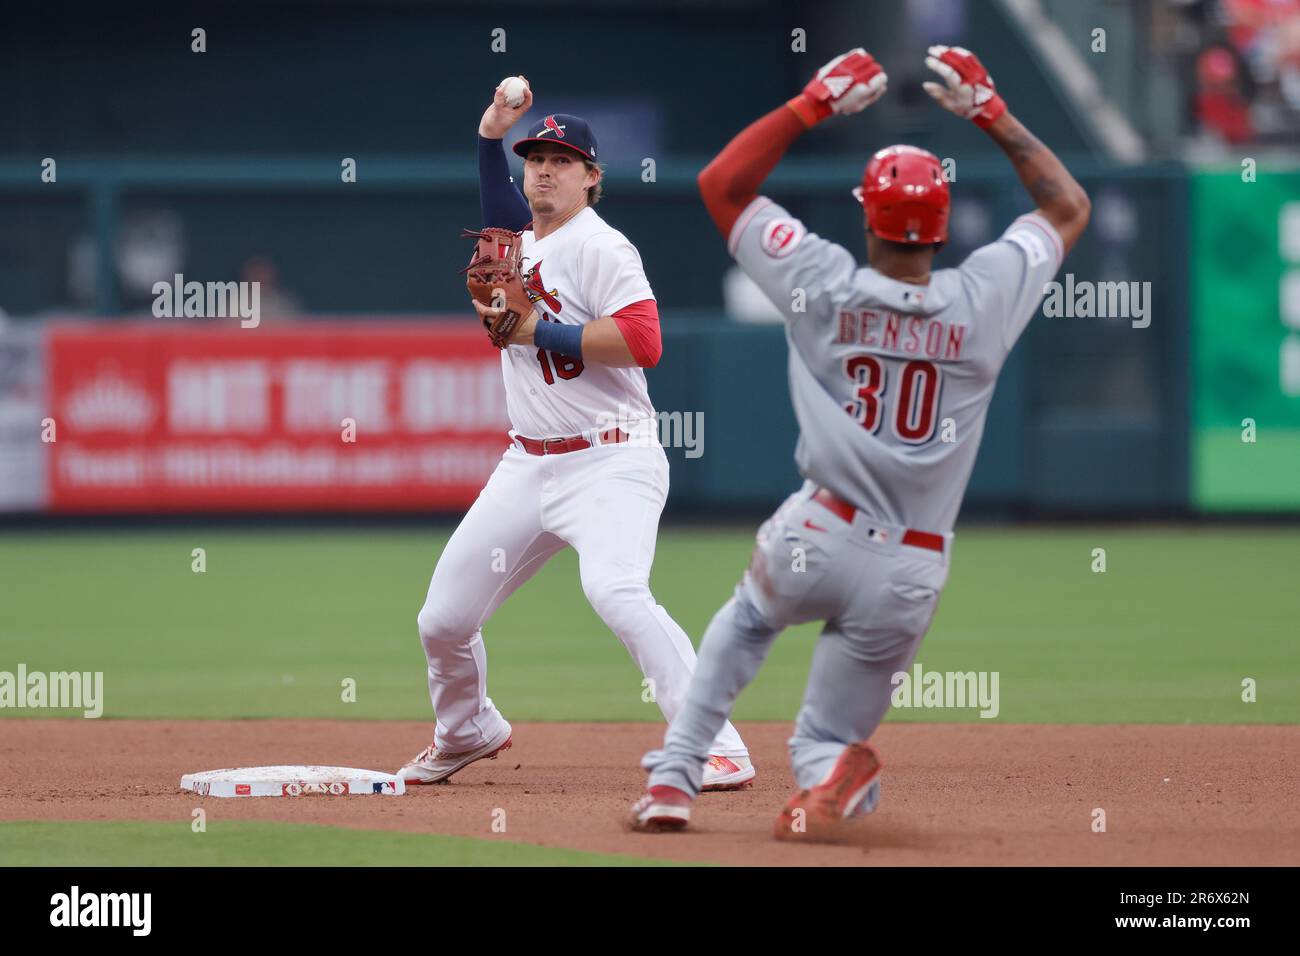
[[969, 794]]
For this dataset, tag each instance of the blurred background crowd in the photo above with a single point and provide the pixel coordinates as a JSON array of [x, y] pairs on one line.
[[220, 167], [1247, 68]]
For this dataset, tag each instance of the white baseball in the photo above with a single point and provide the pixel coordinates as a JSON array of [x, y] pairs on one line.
[[514, 87]]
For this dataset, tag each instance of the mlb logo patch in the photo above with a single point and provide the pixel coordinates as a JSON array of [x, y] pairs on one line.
[[780, 236]]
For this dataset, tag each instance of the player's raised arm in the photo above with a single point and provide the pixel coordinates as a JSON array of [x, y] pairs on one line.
[[847, 84], [501, 204], [968, 92]]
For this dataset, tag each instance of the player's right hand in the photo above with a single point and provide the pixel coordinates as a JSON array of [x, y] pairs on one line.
[[847, 84], [498, 118], [967, 89]]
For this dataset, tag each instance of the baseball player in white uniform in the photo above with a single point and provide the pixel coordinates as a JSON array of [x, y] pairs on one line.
[[585, 467], [892, 367]]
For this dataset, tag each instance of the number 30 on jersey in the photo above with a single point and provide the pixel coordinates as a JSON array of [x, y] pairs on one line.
[[914, 397]]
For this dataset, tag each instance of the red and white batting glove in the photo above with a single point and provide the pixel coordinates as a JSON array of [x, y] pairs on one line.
[[969, 90], [847, 84]]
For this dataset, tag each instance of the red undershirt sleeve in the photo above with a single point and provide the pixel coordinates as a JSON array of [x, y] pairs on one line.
[[639, 323], [731, 181]]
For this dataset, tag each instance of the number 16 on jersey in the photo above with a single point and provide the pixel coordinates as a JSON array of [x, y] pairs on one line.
[[554, 364]]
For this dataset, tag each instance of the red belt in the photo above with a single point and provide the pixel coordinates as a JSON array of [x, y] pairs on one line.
[[561, 446], [845, 512]]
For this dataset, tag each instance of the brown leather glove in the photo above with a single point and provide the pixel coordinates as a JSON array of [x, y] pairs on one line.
[[495, 278]]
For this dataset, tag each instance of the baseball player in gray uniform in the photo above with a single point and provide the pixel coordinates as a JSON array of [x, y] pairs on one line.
[[892, 367]]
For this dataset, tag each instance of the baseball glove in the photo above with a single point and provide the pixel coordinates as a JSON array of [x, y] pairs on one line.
[[496, 279]]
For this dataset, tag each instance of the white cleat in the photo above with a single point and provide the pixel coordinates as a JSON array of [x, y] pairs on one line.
[[728, 773], [432, 765]]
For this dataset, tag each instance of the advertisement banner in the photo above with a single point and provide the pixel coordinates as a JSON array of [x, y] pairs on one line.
[[1246, 321], [356, 416]]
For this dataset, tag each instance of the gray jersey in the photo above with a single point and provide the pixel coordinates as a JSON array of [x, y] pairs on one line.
[[891, 381]]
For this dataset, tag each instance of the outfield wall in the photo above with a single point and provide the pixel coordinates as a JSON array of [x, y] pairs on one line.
[[387, 415]]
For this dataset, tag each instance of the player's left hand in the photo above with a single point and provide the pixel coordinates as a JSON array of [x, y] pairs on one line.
[[847, 84], [498, 287], [967, 89], [523, 332]]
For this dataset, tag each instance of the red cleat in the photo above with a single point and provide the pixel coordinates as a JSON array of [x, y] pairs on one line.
[[660, 809], [820, 812]]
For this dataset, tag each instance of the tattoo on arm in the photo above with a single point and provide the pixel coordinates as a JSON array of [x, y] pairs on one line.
[[1020, 144], [1044, 190], [1056, 193], [1038, 168]]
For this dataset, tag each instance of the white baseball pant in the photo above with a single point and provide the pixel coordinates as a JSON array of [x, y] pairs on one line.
[[605, 501]]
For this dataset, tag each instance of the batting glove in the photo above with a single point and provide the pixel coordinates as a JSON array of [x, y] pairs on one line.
[[847, 84], [969, 90]]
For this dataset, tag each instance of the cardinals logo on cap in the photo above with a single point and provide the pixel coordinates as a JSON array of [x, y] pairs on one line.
[[563, 130]]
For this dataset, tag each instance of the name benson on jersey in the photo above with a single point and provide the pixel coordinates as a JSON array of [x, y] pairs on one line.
[[892, 331]]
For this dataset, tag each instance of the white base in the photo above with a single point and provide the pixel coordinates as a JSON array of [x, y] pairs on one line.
[[293, 781]]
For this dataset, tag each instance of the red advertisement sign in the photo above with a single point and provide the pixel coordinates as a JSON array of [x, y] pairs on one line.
[[314, 416]]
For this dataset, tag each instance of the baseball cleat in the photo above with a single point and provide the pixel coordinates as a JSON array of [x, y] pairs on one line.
[[660, 810], [821, 812], [728, 773], [432, 765]]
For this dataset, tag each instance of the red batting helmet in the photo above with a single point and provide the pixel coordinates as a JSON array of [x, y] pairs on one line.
[[905, 196]]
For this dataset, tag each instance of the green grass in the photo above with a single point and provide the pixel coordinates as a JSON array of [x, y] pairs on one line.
[[243, 843], [280, 618]]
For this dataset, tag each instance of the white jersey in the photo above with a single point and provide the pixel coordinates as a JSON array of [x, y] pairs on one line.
[[585, 270], [891, 381]]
